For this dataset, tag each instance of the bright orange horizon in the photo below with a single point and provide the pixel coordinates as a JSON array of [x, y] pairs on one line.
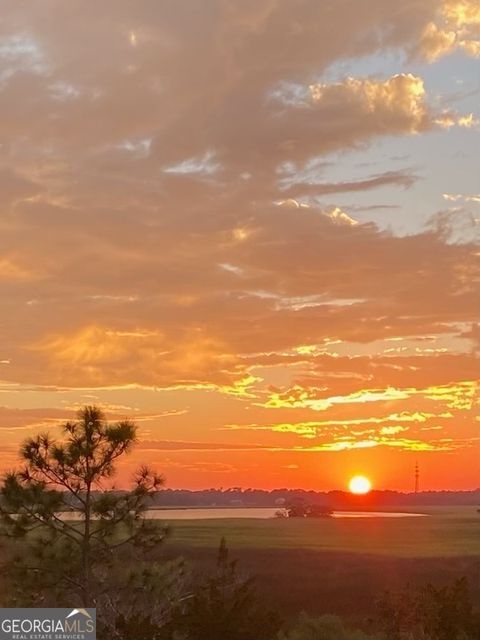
[[251, 227]]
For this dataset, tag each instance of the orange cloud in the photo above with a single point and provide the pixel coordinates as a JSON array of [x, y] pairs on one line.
[[10, 271], [398, 102], [458, 27]]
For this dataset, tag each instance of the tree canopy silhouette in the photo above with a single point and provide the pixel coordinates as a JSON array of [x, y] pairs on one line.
[[73, 532]]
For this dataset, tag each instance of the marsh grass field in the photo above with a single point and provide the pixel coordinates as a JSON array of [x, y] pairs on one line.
[[442, 532], [334, 565], [341, 566]]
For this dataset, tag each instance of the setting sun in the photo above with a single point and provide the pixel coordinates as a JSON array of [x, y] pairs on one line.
[[360, 485]]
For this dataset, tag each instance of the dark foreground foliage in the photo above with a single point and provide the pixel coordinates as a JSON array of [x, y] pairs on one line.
[[430, 613], [225, 605], [322, 628], [222, 604], [427, 613]]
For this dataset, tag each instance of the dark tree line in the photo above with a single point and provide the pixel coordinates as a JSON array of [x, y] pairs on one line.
[[237, 496]]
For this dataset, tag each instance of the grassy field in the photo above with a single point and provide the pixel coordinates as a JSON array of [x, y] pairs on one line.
[[443, 532], [339, 566]]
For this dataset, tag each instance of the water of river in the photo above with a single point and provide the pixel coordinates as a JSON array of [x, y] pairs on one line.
[[259, 512]]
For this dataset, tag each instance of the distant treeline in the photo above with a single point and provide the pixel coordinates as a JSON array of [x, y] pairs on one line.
[[237, 497], [334, 499]]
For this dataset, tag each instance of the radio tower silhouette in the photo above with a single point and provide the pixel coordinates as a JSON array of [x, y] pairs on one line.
[[417, 478]]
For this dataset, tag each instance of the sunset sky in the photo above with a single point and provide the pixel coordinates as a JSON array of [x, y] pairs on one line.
[[250, 225]]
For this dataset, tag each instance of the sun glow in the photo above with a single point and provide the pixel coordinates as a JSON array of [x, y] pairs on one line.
[[360, 485]]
